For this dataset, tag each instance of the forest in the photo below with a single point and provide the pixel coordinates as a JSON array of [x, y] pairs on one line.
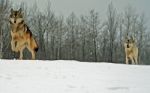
[[86, 38]]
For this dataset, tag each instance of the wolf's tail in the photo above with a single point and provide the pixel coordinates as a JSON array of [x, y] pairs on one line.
[[36, 49], [34, 45]]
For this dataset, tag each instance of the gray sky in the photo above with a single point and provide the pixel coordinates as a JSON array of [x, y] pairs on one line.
[[65, 7]]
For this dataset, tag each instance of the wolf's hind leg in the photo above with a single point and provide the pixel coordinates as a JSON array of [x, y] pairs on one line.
[[21, 52], [132, 59], [32, 52]]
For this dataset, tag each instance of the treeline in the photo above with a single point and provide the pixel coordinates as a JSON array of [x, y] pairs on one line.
[[83, 38]]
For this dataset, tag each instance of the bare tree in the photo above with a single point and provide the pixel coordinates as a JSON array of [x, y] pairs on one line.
[[142, 31], [112, 28], [83, 29], [71, 27], [4, 27]]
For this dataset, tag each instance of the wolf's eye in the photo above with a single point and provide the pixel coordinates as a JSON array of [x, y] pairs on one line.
[[19, 16], [127, 41], [12, 16], [130, 41]]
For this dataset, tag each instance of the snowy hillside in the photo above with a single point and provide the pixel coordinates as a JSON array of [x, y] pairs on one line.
[[72, 77]]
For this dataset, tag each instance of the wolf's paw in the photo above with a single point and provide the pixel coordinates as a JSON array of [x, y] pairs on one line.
[[16, 50], [13, 49]]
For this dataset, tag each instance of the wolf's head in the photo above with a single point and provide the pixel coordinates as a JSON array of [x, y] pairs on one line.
[[129, 42], [16, 16]]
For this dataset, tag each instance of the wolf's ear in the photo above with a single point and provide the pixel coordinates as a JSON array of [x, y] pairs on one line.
[[126, 38], [20, 10], [11, 10], [132, 38]]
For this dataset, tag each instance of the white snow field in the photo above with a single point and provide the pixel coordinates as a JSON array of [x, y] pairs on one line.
[[26, 76]]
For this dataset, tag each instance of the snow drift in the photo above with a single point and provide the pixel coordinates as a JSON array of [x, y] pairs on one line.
[[26, 76]]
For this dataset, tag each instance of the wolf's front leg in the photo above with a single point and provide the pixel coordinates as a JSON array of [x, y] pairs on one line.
[[132, 60], [13, 47], [136, 62], [127, 60]]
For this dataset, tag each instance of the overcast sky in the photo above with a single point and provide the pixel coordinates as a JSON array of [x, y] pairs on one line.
[[65, 7]]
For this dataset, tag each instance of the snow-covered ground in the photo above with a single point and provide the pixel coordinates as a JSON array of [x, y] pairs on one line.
[[72, 77]]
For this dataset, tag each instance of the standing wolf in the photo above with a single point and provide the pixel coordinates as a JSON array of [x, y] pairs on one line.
[[131, 50], [21, 36]]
